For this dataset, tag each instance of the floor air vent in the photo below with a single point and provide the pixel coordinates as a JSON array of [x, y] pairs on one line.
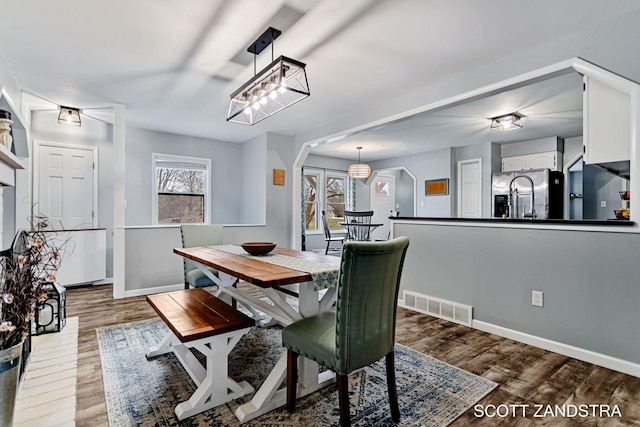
[[458, 313]]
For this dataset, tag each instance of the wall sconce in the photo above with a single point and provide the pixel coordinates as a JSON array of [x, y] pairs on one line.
[[507, 122], [359, 170], [281, 84], [69, 116]]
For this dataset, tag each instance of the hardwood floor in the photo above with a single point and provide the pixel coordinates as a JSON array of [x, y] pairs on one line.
[[526, 375]]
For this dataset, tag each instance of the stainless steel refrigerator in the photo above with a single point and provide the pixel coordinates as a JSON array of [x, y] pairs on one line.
[[547, 187]]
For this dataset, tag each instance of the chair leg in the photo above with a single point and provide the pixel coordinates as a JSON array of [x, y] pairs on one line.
[[391, 387], [343, 400], [186, 285], [292, 380], [326, 251]]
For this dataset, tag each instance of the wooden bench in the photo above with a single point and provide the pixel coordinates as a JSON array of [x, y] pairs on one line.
[[199, 320]]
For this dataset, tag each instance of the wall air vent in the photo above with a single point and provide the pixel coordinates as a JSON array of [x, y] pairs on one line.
[[443, 309]]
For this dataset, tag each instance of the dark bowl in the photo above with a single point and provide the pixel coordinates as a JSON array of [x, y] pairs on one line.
[[258, 248]]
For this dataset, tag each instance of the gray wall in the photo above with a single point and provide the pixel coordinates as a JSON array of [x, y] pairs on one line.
[[426, 166], [231, 164], [589, 280], [150, 262]]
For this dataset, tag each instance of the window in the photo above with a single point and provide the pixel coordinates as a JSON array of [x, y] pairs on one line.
[[329, 197], [335, 199], [181, 189], [310, 187]]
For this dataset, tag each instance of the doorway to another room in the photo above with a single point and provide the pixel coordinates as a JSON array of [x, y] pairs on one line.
[[383, 204]]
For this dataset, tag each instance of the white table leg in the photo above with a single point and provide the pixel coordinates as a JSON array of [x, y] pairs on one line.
[[269, 396], [215, 387], [164, 346]]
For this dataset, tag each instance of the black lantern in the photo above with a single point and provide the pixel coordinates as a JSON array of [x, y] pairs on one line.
[[51, 313]]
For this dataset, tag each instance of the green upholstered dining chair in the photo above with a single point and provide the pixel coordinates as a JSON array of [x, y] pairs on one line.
[[199, 235], [361, 330]]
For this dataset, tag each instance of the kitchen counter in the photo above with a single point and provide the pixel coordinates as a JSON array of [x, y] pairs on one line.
[[587, 271], [559, 222]]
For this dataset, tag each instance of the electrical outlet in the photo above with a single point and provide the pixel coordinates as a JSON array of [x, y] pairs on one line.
[[537, 298], [603, 203]]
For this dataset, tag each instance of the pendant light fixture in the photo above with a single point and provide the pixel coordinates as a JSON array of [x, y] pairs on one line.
[[281, 84], [359, 170], [508, 122], [69, 116]]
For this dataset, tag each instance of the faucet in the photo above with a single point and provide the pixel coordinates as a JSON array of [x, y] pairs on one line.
[[531, 214]]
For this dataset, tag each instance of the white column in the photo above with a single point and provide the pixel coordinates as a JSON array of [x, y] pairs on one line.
[[119, 201]]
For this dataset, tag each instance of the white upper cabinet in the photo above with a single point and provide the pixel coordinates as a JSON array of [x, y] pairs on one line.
[[606, 124], [551, 160]]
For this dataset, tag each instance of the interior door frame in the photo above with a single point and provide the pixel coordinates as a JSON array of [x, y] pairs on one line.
[[36, 171], [459, 184], [392, 179]]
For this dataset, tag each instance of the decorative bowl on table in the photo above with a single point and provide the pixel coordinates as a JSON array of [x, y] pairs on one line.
[[258, 248]]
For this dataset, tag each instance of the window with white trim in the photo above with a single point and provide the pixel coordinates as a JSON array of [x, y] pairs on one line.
[[324, 190], [181, 189]]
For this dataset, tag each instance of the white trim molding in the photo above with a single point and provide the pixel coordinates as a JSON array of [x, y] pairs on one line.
[[156, 290], [588, 356]]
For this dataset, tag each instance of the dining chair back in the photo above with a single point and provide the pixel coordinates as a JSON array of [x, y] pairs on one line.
[[361, 330], [358, 225], [327, 234], [199, 235]]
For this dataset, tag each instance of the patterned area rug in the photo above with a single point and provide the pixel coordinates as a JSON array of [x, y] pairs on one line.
[[145, 392]]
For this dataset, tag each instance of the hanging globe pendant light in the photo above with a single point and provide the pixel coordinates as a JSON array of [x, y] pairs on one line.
[[359, 170]]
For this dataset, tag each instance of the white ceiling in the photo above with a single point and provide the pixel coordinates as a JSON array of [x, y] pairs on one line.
[[173, 63]]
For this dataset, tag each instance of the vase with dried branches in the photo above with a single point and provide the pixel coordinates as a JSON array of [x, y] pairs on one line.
[[32, 261]]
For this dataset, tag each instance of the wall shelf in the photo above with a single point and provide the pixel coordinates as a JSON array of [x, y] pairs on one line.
[[9, 158], [9, 161]]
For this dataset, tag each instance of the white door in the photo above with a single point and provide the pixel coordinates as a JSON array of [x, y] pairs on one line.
[[65, 186], [470, 188], [383, 199]]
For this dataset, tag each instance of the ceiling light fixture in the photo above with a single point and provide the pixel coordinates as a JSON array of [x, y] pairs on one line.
[[69, 116], [281, 84], [359, 170], [507, 122]]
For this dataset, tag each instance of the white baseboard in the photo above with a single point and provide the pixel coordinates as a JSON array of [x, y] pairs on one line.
[[107, 281], [156, 290], [589, 356]]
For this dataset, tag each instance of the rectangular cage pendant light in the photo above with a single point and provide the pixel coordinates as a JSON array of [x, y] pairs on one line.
[[279, 85]]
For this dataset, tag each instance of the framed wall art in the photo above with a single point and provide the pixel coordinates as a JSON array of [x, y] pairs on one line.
[[436, 187]]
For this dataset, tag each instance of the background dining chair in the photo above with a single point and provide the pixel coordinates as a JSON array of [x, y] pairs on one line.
[[327, 234], [361, 330], [358, 222], [199, 235]]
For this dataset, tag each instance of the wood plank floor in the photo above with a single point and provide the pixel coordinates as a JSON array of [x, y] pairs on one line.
[[526, 375]]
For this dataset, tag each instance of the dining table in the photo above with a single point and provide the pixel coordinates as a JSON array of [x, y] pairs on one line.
[[315, 276]]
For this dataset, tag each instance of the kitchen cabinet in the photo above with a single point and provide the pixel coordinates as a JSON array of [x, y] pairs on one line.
[[551, 160], [83, 257], [606, 124]]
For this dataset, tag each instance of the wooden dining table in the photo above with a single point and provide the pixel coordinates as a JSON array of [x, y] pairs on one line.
[[268, 305]]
